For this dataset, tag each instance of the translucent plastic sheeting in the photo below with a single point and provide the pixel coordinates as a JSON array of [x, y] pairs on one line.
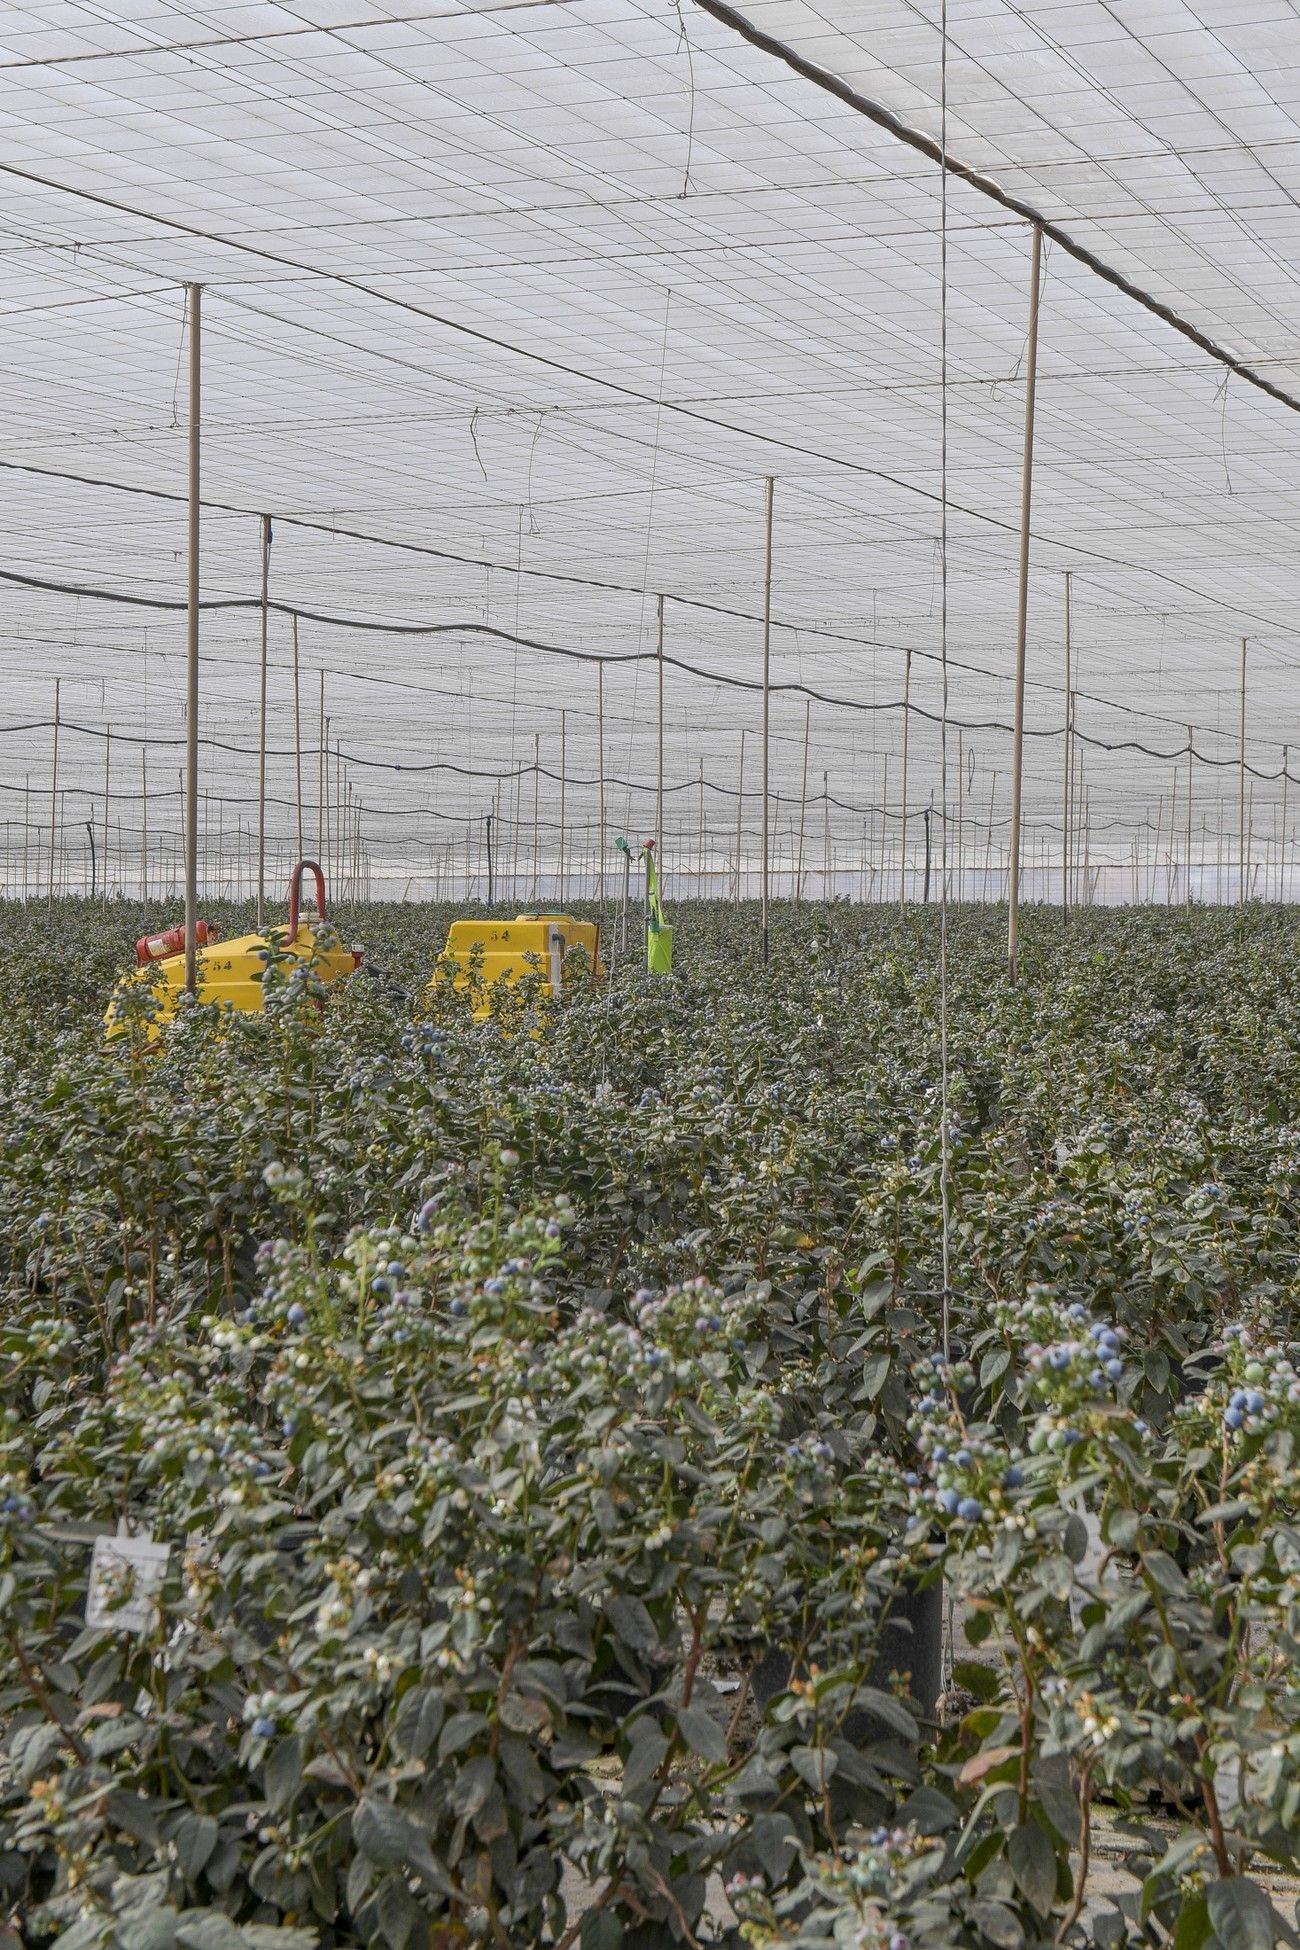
[[507, 315]]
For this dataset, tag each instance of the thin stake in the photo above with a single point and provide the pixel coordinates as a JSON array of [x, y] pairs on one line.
[[54, 788], [803, 796], [907, 725], [1022, 615], [108, 748], [1065, 770], [740, 802], [600, 741], [144, 824], [659, 766], [261, 734], [767, 699], [192, 657], [297, 730], [320, 775], [1189, 755], [564, 857], [1241, 787], [1281, 851]]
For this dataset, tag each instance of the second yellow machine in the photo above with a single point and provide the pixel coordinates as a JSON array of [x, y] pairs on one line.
[[479, 954]]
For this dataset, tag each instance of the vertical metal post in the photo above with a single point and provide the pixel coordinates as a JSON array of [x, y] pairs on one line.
[[740, 806], [1241, 788], [600, 741], [564, 770], [320, 776], [961, 813], [54, 790], [108, 750], [659, 766], [1022, 615], [1066, 768], [194, 294], [261, 734], [1281, 851], [699, 883], [537, 826], [325, 815], [491, 877], [907, 723], [826, 836], [767, 699], [1189, 755], [803, 797], [297, 731]]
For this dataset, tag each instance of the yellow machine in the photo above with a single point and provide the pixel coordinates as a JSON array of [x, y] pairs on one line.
[[479, 954], [230, 972]]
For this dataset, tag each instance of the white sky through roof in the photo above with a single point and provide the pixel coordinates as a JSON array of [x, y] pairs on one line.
[[509, 311]]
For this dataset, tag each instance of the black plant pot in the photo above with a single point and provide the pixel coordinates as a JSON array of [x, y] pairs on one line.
[[911, 1641]]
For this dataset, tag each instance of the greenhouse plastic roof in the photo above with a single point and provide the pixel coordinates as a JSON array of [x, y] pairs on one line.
[[508, 312]]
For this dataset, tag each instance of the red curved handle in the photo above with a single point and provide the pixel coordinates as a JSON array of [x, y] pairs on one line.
[[295, 894]]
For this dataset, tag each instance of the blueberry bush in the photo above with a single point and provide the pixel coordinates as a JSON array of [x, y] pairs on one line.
[[508, 1397]]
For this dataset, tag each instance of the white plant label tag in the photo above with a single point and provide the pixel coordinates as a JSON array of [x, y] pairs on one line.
[[126, 1575]]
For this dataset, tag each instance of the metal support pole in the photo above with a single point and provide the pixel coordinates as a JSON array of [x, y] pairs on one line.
[[767, 698], [1189, 755], [907, 723], [491, 877], [54, 790], [261, 734], [1281, 849], [659, 768], [564, 768], [192, 656], [320, 776], [537, 816], [740, 805], [297, 730], [600, 741], [1022, 614], [1065, 792], [108, 750], [803, 797], [1241, 788]]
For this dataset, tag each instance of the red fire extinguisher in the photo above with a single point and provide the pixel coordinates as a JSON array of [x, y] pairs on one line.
[[157, 947]]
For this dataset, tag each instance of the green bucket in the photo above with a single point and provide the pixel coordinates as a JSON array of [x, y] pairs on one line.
[[659, 951]]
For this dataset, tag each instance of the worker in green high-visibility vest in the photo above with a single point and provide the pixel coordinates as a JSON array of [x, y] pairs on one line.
[[658, 934]]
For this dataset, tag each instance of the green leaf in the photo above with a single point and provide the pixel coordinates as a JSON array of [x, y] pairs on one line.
[[979, 1680], [998, 1924], [600, 1931], [633, 1625], [1033, 1864], [194, 1839], [283, 1771], [875, 1371], [208, 1929], [702, 1733], [473, 1784], [391, 1840], [1193, 1928], [815, 1765], [994, 1366], [645, 1755], [1241, 1914]]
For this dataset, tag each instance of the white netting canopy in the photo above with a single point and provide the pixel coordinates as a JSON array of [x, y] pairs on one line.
[[508, 315]]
